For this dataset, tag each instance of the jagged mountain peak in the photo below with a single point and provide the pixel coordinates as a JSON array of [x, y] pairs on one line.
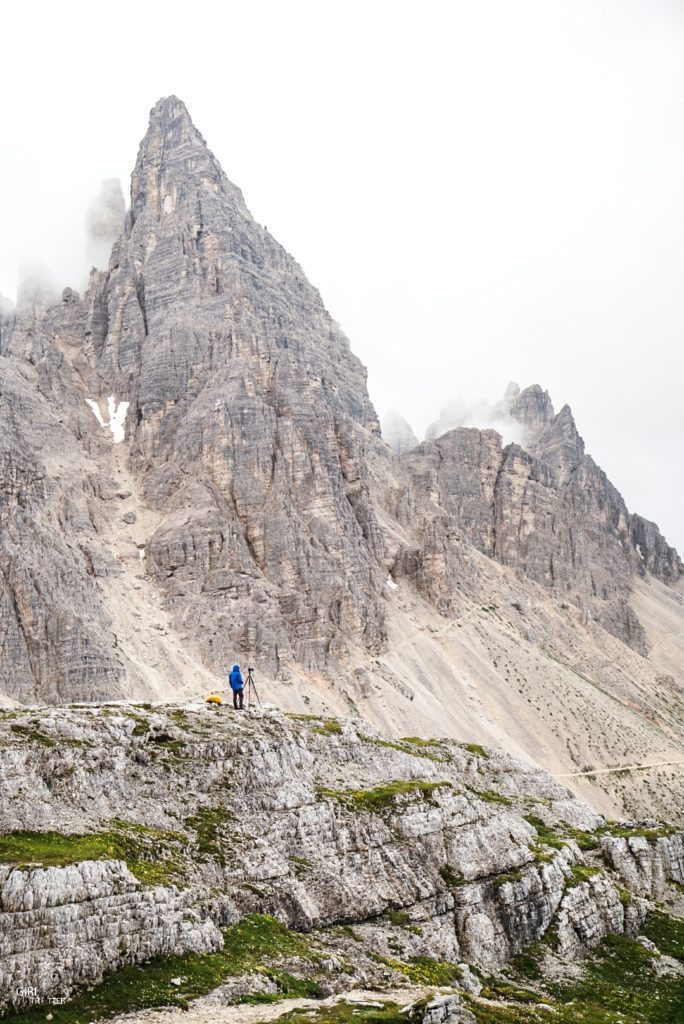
[[168, 108], [532, 408], [176, 172]]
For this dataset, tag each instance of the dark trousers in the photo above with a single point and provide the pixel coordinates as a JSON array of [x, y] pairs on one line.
[[238, 698]]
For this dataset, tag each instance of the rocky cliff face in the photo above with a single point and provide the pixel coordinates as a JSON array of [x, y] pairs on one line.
[[190, 465], [421, 849], [546, 510]]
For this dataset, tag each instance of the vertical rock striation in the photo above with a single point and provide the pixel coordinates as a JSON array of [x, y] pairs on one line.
[[268, 509]]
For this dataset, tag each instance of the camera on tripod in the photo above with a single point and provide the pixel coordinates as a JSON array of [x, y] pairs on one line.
[[251, 688]]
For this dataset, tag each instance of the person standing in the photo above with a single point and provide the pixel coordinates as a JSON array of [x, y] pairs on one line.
[[237, 686]]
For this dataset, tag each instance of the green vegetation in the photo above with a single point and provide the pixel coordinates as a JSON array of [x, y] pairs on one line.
[[585, 840], [619, 985], [494, 988], [346, 931], [547, 835], [489, 796], [141, 726], [381, 798], [508, 876], [397, 917], [528, 963], [330, 727], [418, 741], [296, 717], [413, 746], [476, 749], [26, 732], [352, 1013], [581, 873], [300, 865], [32, 733], [152, 855], [401, 920], [423, 970], [450, 878], [661, 832], [667, 933], [257, 943], [209, 826]]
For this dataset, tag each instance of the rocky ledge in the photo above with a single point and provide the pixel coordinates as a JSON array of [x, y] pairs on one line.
[[151, 854]]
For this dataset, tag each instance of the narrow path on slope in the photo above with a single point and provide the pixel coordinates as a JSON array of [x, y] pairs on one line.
[[612, 771], [207, 1010]]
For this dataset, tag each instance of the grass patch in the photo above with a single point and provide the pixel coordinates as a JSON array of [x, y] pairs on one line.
[[667, 933], [331, 727], [352, 1013], [495, 988], [489, 796], [450, 878], [620, 985], [412, 746], [209, 826], [383, 797], [152, 855], [632, 832], [528, 963], [257, 943], [300, 865], [29, 732], [475, 748], [423, 970], [585, 840], [515, 875], [545, 833], [580, 873], [418, 741], [297, 717]]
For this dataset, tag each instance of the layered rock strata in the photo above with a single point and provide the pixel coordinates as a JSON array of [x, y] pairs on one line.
[[473, 853]]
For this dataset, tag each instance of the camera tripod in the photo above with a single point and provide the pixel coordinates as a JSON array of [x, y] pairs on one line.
[[250, 686]]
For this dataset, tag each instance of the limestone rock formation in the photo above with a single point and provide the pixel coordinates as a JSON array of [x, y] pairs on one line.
[[431, 850], [546, 509]]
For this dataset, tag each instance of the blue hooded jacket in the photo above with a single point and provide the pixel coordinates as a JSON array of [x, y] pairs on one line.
[[235, 678]]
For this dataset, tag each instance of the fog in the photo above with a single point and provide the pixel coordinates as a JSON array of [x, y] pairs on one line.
[[483, 191]]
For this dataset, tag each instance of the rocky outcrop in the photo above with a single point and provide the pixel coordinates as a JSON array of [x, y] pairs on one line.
[[317, 822], [61, 927], [546, 510], [653, 553], [447, 1010], [646, 863]]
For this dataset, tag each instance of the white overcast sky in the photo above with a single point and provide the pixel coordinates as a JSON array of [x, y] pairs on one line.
[[483, 190]]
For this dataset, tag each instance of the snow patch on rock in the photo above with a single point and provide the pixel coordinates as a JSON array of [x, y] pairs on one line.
[[96, 409], [116, 417]]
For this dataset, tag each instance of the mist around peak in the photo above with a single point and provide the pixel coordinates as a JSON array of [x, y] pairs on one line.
[[104, 222], [483, 414]]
